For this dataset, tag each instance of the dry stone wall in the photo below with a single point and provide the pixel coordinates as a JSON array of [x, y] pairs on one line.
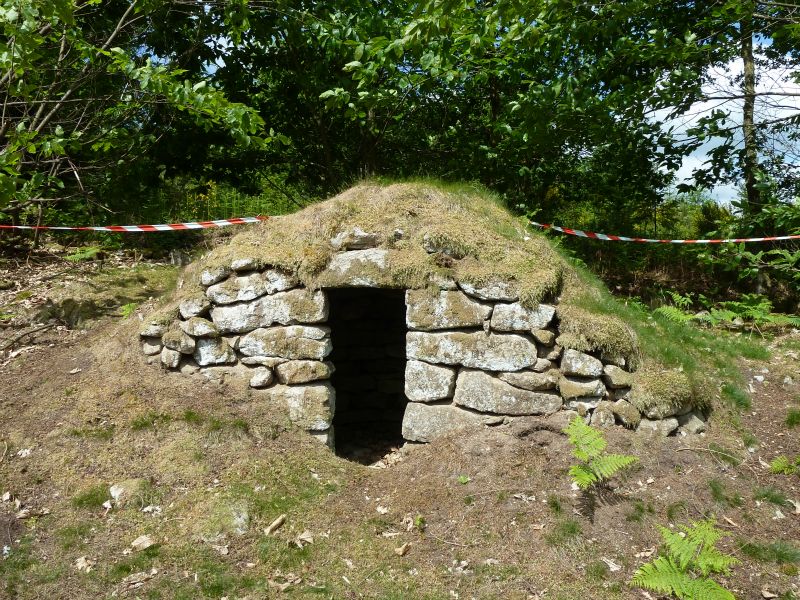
[[474, 353]]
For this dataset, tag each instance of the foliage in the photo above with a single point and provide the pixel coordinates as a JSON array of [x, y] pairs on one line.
[[785, 466], [689, 558], [588, 446], [83, 254], [778, 552]]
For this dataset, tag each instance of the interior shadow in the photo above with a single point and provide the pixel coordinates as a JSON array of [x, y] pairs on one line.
[[368, 333]]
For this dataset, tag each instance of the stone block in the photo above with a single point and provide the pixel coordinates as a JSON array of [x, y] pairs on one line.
[[296, 342], [617, 378], [426, 422], [303, 371], [502, 291], [545, 337], [444, 310], [358, 268], [170, 358], [175, 339], [151, 346], [249, 287], [214, 275], [531, 380], [691, 423], [573, 387], [626, 413], [261, 378], [492, 352], [428, 383], [661, 427], [310, 405], [284, 308], [355, 238], [213, 351], [199, 327], [480, 391], [196, 306], [515, 317], [542, 365], [580, 364], [603, 415]]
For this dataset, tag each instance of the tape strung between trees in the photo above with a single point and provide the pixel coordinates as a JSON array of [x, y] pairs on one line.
[[607, 237]]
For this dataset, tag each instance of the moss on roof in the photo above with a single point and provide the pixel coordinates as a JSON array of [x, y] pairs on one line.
[[475, 238]]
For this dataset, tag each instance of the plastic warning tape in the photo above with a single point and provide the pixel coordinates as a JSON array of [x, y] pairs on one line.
[[148, 228], [621, 238]]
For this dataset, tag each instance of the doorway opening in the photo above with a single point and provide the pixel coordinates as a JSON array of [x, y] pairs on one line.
[[368, 333]]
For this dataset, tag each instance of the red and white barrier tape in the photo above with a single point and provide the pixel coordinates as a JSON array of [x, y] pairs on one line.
[[148, 228], [621, 238]]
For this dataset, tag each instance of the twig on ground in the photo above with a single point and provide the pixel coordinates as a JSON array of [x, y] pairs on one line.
[[5, 451], [712, 451], [25, 334], [444, 541]]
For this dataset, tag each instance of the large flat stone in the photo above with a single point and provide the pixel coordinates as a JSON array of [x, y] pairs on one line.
[[444, 310], [573, 387], [617, 378], [303, 371], [531, 380], [284, 308], [492, 352], [310, 406], [515, 317], [357, 268], [296, 342], [425, 422], [428, 383], [502, 291], [580, 364], [480, 391], [249, 287]]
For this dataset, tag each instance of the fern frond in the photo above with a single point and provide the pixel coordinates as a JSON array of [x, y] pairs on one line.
[[673, 313], [587, 442], [610, 464], [706, 589], [583, 476], [680, 548], [662, 576]]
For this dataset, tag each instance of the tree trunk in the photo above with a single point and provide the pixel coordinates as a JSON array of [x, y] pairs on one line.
[[750, 166]]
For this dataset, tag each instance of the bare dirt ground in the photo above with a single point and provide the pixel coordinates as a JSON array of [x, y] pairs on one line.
[[486, 513]]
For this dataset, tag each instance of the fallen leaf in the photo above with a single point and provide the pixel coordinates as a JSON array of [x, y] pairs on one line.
[[403, 550], [382, 510], [646, 553], [537, 526], [223, 550], [304, 539], [730, 522], [137, 580], [75, 371], [143, 542], [390, 534], [765, 593], [84, 564], [275, 525], [612, 566], [283, 582]]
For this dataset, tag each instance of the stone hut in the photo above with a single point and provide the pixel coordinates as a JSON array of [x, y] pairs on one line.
[[410, 310]]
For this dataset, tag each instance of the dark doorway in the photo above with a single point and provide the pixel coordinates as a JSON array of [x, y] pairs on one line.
[[368, 332]]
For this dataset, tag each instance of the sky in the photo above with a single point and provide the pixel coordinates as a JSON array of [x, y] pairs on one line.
[[723, 83]]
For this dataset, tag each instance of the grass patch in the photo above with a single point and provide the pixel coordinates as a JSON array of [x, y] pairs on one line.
[[736, 396], [13, 569], [721, 496], [73, 536], [149, 420], [554, 504], [102, 434], [192, 417], [597, 570], [92, 497], [141, 561], [793, 418], [770, 494], [639, 511], [777, 552], [675, 509], [563, 532]]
